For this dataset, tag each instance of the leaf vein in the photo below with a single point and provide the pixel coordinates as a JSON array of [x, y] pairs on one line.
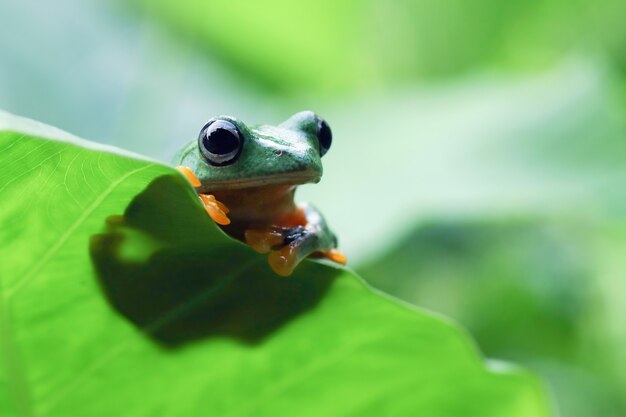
[[68, 233]]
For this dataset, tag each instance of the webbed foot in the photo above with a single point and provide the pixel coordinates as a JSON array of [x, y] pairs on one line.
[[217, 210], [298, 243], [290, 245]]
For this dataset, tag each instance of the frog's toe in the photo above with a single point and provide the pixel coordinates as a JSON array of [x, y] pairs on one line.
[[263, 241], [218, 215], [191, 177], [283, 261], [216, 209], [336, 256], [288, 246]]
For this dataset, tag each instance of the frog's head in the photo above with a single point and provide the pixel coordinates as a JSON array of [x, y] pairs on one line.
[[230, 155]]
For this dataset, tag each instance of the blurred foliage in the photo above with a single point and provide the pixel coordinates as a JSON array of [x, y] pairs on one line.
[[163, 314], [547, 144], [336, 46], [534, 290]]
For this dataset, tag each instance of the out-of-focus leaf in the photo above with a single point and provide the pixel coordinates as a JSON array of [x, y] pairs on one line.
[[161, 313], [335, 46], [554, 143], [534, 290]]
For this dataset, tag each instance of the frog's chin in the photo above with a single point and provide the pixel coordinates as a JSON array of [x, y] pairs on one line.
[[262, 181]]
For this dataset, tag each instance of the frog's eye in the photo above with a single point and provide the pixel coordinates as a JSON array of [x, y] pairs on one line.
[[220, 142], [324, 135]]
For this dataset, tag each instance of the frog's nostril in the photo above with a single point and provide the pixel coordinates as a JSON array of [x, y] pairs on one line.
[[278, 152]]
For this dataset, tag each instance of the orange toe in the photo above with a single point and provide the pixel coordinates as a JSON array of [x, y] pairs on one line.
[[222, 206], [191, 177], [283, 261], [216, 210], [263, 241], [217, 215], [336, 256]]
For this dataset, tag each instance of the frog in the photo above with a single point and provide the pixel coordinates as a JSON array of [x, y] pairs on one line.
[[246, 177]]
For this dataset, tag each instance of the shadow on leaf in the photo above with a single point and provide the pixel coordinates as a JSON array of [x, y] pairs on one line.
[[166, 267]]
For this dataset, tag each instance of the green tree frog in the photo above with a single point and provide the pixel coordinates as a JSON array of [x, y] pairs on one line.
[[246, 177]]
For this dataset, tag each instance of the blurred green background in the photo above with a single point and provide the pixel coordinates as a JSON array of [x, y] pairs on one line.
[[479, 150]]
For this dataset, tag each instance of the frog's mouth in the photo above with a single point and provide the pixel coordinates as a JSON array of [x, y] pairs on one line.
[[293, 179]]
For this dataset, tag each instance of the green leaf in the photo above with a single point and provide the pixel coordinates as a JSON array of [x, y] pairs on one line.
[[553, 279], [120, 297]]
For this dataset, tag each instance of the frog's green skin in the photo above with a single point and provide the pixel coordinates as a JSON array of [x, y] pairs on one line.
[[259, 186]]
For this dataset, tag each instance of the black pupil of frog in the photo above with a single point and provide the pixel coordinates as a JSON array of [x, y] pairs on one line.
[[220, 142], [324, 135]]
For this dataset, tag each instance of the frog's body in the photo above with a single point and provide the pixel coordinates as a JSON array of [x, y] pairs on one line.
[[247, 176]]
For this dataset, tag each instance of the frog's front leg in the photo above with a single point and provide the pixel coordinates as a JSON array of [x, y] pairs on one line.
[[303, 233], [217, 210]]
